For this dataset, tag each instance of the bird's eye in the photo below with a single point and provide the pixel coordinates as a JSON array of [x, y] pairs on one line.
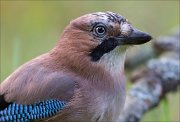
[[100, 31]]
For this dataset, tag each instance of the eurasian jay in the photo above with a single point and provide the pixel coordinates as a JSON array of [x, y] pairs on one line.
[[80, 79]]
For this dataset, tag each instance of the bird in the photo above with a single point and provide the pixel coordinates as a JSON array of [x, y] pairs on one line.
[[81, 79]]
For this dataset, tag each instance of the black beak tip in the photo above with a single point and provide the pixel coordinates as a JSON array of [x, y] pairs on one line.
[[143, 38], [139, 37], [147, 37]]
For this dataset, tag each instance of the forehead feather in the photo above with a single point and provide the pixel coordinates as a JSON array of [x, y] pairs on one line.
[[109, 16], [104, 17]]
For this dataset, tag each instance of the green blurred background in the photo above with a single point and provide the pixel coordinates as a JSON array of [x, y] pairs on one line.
[[30, 28]]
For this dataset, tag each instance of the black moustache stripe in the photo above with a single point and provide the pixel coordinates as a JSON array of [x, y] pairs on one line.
[[106, 46]]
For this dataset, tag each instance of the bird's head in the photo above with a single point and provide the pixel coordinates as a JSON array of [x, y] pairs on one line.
[[98, 34]]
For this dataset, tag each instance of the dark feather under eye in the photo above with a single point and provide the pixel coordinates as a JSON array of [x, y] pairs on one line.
[[106, 46]]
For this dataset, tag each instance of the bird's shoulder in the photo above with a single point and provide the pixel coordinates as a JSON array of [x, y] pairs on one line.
[[34, 82]]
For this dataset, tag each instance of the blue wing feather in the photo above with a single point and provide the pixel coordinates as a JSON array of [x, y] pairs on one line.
[[27, 113]]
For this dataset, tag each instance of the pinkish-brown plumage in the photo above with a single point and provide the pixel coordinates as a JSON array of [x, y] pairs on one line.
[[85, 68]]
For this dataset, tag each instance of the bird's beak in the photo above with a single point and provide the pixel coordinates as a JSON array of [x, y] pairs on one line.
[[136, 37]]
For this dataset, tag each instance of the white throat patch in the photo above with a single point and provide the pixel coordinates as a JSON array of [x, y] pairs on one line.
[[114, 60]]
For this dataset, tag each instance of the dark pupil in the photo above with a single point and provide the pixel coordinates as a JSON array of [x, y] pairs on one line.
[[100, 30]]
